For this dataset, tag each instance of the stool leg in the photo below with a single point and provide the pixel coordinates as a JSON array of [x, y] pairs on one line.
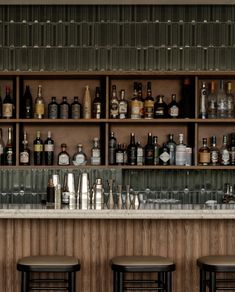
[[120, 282], [168, 281], [114, 281], [25, 281], [72, 281], [202, 280], [212, 284], [160, 280]]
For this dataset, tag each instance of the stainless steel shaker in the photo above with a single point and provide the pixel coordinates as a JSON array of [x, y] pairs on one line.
[[98, 194], [71, 190], [83, 195]]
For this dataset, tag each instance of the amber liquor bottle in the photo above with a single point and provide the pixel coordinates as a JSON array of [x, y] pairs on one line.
[[204, 153]]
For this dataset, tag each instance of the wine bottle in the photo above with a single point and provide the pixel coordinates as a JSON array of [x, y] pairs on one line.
[[25, 152], [27, 109], [8, 105], [49, 150], [39, 104], [38, 149], [9, 151], [1, 148]]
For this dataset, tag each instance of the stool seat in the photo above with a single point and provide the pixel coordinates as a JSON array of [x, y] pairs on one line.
[[217, 263]]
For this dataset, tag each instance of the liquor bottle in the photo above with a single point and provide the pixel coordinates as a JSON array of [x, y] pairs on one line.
[[214, 152], [97, 104], [187, 101], [27, 109], [123, 106], [156, 150], [224, 152], [232, 149], [49, 150], [203, 101], [50, 191], [53, 109], [79, 158], [76, 108], [149, 103], [2, 146], [204, 153], [86, 108], [212, 102], [180, 151], [230, 100], [141, 100], [8, 105], [149, 151], [112, 149], [140, 154], [172, 147], [0, 102], [95, 152], [9, 151], [38, 149], [39, 104], [113, 108], [160, 108], [64, 108], [134, 104], [173, 108], [25, 152], [132, 151], [164, 157], [119, 155], [63, 156], [222, 105]]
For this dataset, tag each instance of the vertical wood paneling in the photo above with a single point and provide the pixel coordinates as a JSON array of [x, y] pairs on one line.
[[95, 242]]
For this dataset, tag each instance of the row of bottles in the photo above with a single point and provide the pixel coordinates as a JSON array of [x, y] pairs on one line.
[[152, 153], [225, 155], [218, 104]]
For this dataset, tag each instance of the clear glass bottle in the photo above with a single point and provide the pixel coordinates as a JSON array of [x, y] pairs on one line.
[[164, 157], [113, 108], [119, 155], [214, 152], [39, 110], [224, 152], [172, 146], [149, 151], [204, 153], [2, 146], [149, 103], [64, 108], [53, 109], [63, 157], [160, 108], [212, 102], [180, 151], [112, 149], [86, 108], [9, 149], [230, 100], [203, 101], [95, 152], [8, 105], [123, 106], [232, 149], [140, 154], [25, 151], [49, 150], [79, 157], [76, 108], [132, 151], [38, 149], [156, 151], [134, 104], [173, 108], [222, 105], [97, 104], [125, 156], [27, 109]]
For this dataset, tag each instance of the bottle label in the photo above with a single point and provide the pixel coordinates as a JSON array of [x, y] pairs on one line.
[[7, 110], [39, 109], [159, 112], [1, 149], [149, 109], [97, 110], [174, 111], [80, 159], [180, 156], [122, 110], [9, 156], [49, 147], [165, 156], [95, 152], [225, 157], [53, 111], [119, 158], [87, 111], [24, 157], [214, 157], [95, 161], [63, 159], [114, 109], [64, 111], [135, 109], [232, 156], [38, 147], [204, 157], [76, 111], [140, 156]]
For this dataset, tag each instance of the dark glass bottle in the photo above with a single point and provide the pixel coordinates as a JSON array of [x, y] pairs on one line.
[[173, 107], [214, 152], [76, 108], [50, 191], [112, 149], [149, 103], [49, 150], [63, 157], [8, 105], [149, 151], [0, 102], [187, 101], [64, 108], [53, 109], [132, 151], [160, 108], [141, 100], [172, 148], [9, 150], [1, 148], [164, 158], [156, 148], [38, 149], [25, 152], [27, 109], [232, 149], [97, 104], [119, 155]]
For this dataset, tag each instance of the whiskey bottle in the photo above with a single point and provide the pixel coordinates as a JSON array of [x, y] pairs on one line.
[[149, 103], [95, 152], [1, 148], [230, 100], [38, 149], [232, 149], [135, 104], [149, 151], [86, 108], [63, 157], [141, 100], [222, 105], [212, 102], [156, 151], [123, 106], [53, 109], [112, 149], [50, 191], [119, 155], [187, 101], [9, 150], [113, 108], [132, 151], [173, 108], [180, 151], [224, 152], [8, 105], [172, 147], [97, 104], [204, 153], [160, 108], [214, 152], [64, 108], [25, 152], [79, 157], [39, 104], [27, 109], [49, 150], [140, 154], [203, 101], [164, 157], [76, 108]]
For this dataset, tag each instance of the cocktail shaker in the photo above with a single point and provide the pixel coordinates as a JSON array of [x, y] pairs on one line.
[[71, 190], [83, 191], [98, 194]]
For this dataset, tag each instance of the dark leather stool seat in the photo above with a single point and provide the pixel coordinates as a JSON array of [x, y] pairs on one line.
[[211, 265], [55, 264], [142, 264]]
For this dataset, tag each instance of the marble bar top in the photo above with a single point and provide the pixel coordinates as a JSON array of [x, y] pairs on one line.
[[37, 211]]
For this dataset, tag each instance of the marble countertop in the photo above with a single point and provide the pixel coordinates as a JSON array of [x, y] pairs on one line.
[[27, 211]]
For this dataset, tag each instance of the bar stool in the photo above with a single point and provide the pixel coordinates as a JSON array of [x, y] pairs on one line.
[[212, 265], [142, 264], [55, 264]]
